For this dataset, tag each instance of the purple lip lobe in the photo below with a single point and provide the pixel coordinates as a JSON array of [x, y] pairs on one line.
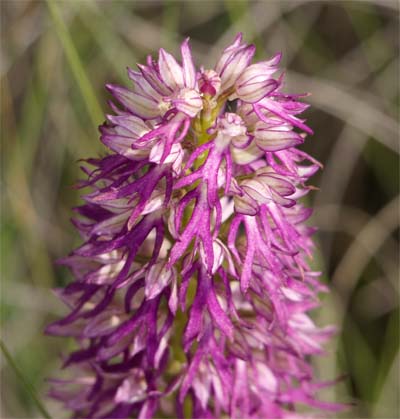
[[192, 286]]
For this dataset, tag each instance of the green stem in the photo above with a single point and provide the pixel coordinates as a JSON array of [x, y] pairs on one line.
[[205, 120], [28, 386]]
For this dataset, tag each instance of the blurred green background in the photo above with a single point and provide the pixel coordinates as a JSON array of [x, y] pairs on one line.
[[56, 58]]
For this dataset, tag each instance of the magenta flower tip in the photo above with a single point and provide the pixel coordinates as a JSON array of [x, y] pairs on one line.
[[193, 286]]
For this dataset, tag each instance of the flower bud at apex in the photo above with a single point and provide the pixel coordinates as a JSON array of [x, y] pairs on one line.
[[209, 82], [193, 284]]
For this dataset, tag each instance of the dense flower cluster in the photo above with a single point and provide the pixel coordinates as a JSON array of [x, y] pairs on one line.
[[193, 285]]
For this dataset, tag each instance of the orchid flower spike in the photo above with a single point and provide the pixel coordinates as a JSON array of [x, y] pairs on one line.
[[193, 286]]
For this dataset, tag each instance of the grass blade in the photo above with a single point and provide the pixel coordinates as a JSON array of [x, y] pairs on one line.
[[75, 63], [28, 386]]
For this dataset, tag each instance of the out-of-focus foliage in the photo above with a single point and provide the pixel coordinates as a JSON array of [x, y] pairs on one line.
[[54, 63]]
